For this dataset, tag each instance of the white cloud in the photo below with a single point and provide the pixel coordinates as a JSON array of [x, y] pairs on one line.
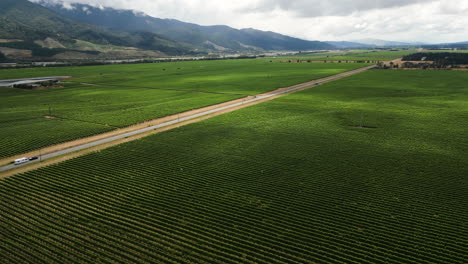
[[313, 8], [398, 20]]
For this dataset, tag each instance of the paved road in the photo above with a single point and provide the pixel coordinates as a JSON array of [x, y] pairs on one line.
[[169, 123], [7, 83]]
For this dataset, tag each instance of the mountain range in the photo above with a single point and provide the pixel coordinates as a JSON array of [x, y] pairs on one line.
[[386, 43], [348, 44], [221, 38], [28, 21], [45, 29]]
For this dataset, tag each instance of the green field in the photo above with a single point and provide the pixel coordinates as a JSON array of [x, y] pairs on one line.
[[451, 51], [122, 95], [245, 77], [368, 169], [84, 111], [352, 55]]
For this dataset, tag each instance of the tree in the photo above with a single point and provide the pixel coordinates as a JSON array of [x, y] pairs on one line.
[[3, 58]]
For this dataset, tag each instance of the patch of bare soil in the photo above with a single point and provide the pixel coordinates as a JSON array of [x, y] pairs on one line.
[[49, 43], [214, 45], [10, 40], [15, 53]]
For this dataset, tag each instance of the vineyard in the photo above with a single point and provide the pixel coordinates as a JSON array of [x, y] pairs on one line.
[[121, 95], [442, 58], [42, 118], [245, 77], [18, 137], [353, 55], [368, 169]]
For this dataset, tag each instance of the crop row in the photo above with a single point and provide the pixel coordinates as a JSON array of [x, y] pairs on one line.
[[288, 181], [30, 135], [123, 95], [196, 211]]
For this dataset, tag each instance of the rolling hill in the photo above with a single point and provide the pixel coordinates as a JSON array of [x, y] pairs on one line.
[[30, 22]]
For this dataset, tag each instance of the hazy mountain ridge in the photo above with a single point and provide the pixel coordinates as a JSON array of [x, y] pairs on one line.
[[379, 43], [222, 36], [348, 44], [386, 43]]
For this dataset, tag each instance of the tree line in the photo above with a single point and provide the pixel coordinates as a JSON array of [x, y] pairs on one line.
[[442, 58]]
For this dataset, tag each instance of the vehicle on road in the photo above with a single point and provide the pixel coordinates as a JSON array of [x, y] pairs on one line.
[[33, 158], [21, 161]]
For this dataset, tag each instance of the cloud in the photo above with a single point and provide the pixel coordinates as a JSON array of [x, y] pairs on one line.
[[315, 8], [453, 7]]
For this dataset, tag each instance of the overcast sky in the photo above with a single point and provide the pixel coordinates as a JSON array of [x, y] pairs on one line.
[[433, 21]]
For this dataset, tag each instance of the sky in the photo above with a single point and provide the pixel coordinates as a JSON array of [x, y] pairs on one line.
[[429, 21]]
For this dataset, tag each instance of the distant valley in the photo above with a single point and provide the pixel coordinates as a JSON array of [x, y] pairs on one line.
[[45, 30], [31, 31]]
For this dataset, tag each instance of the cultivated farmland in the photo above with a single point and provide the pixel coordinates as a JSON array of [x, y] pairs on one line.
[[352, 55], [369, 169], [103, 98]]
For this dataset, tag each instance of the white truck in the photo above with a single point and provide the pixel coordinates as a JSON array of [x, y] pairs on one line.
[[21, 161]]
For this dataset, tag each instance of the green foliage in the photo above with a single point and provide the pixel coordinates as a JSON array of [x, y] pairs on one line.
[[129, 94], [246, 76], [98, 109], [28, 133], [20, 45], [353, 55], [441, 58], [37, 50], [23, 86], [287, 181], [3, 58], [45, 84], [12, 30]]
